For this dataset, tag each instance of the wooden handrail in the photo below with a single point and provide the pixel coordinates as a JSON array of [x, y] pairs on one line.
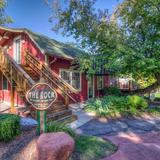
[[50, 76], [20, 77]]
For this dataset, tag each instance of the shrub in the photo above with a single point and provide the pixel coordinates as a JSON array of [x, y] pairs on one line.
[[137, 102], [112, 91], [115, 105], [108, 105], [60, 127], [9, 126]]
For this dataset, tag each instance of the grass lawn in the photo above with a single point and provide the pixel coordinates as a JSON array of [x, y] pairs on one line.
[[157, 95], [86, 147], [154, 111], [92, 148]]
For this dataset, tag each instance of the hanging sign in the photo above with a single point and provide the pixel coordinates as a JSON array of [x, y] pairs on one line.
[[41, 96]]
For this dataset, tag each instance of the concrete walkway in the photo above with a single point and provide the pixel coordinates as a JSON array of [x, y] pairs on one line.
[[136, 146], [82, 118]]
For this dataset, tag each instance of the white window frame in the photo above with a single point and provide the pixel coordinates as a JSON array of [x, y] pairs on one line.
[[14, 48], [70, 75], [2, 83], [102, 83]]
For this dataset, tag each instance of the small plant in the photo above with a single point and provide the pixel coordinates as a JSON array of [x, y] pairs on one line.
[[9, 126], [112, 91], [60, 127]]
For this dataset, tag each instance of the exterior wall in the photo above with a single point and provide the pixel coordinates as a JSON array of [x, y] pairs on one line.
[[5, 95], [122, 83], [28, 45], [65, 64]]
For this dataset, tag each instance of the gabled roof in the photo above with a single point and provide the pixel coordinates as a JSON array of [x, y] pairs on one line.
[[47, 45]]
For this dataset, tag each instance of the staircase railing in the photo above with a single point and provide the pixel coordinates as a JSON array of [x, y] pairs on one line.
[[51, 77], [14, 72]]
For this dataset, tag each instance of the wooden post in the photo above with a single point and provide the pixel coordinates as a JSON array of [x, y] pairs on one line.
[[42, 126], [12, 93], [12, 100], [66, 97], [46, 60]]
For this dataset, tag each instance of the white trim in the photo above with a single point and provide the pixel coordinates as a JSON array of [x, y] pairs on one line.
[[2, 84], [93, 87], [102, 82], [14, 48], [70, 74]]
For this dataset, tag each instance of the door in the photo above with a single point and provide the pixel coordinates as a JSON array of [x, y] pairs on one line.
[[17, 50], [90, 87]]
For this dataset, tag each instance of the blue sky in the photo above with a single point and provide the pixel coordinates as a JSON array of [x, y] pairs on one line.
[[34, 14]]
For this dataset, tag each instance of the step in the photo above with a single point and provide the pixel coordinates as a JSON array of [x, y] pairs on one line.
[[59, 115], [57, 106], [58, 102], [67, 119], [55, 110]]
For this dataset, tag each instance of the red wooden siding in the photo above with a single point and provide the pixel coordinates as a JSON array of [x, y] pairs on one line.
[[28, 45], [5, 95]]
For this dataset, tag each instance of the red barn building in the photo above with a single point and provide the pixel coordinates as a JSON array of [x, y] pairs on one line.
[[26, 56]]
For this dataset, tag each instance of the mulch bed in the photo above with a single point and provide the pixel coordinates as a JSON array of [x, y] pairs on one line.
[[13, 149]]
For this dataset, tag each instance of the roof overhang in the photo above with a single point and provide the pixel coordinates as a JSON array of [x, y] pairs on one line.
[[23, 30]]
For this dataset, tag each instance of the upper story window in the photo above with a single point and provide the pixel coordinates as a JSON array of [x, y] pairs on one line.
[[17, 49], [99, 82], [72, 77], [4, 83]]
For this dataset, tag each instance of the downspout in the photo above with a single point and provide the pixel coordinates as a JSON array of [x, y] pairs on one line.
[[46, 60]]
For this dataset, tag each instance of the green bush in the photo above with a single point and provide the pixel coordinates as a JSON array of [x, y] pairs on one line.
[[112, 91], [115, 105], [9, 126], [60, 127], [137, 102]]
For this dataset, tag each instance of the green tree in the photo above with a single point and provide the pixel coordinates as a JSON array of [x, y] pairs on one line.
[[4, 19], [128, 40]]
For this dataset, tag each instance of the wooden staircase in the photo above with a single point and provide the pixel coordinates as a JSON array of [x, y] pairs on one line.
[[23, 77]]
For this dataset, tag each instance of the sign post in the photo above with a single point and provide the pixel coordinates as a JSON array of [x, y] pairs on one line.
[[41, 96]]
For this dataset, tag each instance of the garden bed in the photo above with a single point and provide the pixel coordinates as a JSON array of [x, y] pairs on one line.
[[23, 147], [12, 150], [114, 107]]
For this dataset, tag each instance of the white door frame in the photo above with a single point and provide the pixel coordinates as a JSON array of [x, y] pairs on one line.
[[93, 87], [14, 48]]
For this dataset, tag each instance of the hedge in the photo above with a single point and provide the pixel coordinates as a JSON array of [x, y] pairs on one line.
[[9, 127]]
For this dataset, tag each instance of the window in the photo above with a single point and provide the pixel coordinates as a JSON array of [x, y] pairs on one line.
[[66, 76], [99, 82], [17, 49], [72, 77], [113, 81], [4, 83], [76, 80]]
